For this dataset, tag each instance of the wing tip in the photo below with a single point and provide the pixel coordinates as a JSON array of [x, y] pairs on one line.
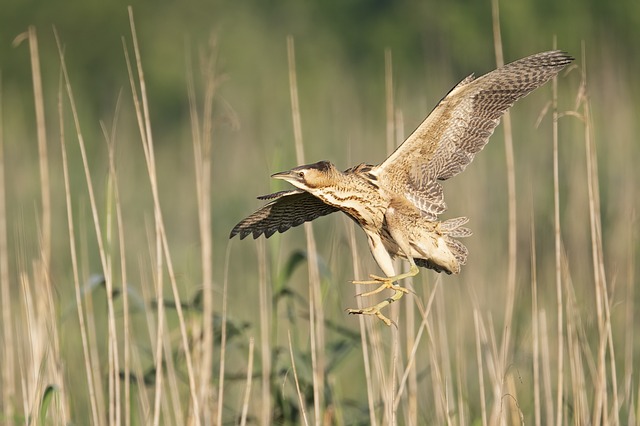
[[243, 232], [562, 57], [552, 58]]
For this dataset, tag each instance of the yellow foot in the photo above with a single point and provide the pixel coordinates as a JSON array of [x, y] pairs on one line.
[[375, 309], [385, 283], [375, 279], [371, 311]]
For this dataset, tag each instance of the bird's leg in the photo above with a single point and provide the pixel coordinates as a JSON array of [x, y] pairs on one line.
[[387, 282], [375, 309], [386, 264]]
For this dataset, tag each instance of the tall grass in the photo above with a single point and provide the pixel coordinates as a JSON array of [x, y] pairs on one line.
[[110, 319]]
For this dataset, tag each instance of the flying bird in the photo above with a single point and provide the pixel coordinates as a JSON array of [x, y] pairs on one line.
[[397, 203]]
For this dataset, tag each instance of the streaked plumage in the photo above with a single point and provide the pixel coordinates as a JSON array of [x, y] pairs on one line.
[[397, 203]]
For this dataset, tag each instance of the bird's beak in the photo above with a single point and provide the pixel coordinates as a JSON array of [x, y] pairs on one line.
[[282, 175]]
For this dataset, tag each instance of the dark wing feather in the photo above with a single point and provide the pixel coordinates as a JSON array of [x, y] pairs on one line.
[[460, 126], [287, 209]]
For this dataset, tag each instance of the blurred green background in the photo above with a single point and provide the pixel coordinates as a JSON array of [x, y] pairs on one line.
[[340, 49], [340, 60]]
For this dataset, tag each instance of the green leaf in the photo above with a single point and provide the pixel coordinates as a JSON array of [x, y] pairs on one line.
[[48, 395]]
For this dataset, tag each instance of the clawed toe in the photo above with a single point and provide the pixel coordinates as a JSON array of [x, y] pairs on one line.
[[371, 311], [375, 309], [384, 284], [375, 279]]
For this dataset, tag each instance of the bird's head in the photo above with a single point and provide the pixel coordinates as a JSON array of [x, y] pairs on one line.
[[310, 176]]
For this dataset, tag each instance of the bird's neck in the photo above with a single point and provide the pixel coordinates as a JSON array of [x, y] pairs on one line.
[[357, 194]]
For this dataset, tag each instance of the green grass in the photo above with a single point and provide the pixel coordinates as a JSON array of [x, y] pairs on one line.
[[124, 303]]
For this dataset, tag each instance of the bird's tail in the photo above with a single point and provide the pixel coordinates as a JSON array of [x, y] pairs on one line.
[[453, 228]]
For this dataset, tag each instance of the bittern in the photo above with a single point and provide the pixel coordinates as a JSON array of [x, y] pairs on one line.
[[397, 203]]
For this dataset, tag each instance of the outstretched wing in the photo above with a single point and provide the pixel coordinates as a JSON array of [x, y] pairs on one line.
[[287, 209], [460, 126]]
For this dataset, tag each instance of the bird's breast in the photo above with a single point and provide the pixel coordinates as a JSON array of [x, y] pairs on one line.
[[365, 207]]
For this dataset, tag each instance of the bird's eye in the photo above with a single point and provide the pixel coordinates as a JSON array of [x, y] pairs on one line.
[[301, 174]]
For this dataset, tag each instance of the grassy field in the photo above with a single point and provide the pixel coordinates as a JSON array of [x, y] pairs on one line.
[[124, 302]]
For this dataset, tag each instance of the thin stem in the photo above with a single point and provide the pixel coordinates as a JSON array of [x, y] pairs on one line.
[[511, 191], [316, 312]]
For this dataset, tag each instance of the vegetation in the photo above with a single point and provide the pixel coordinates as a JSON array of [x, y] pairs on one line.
[[130, 144]]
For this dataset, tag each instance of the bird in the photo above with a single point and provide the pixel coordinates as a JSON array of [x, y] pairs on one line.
[[397, 202]]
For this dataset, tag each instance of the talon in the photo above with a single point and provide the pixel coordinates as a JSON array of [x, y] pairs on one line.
[[371, 311], [385, 283], [375, 309], [398, 288], [369, 293], [375, 279], [378, 278]]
